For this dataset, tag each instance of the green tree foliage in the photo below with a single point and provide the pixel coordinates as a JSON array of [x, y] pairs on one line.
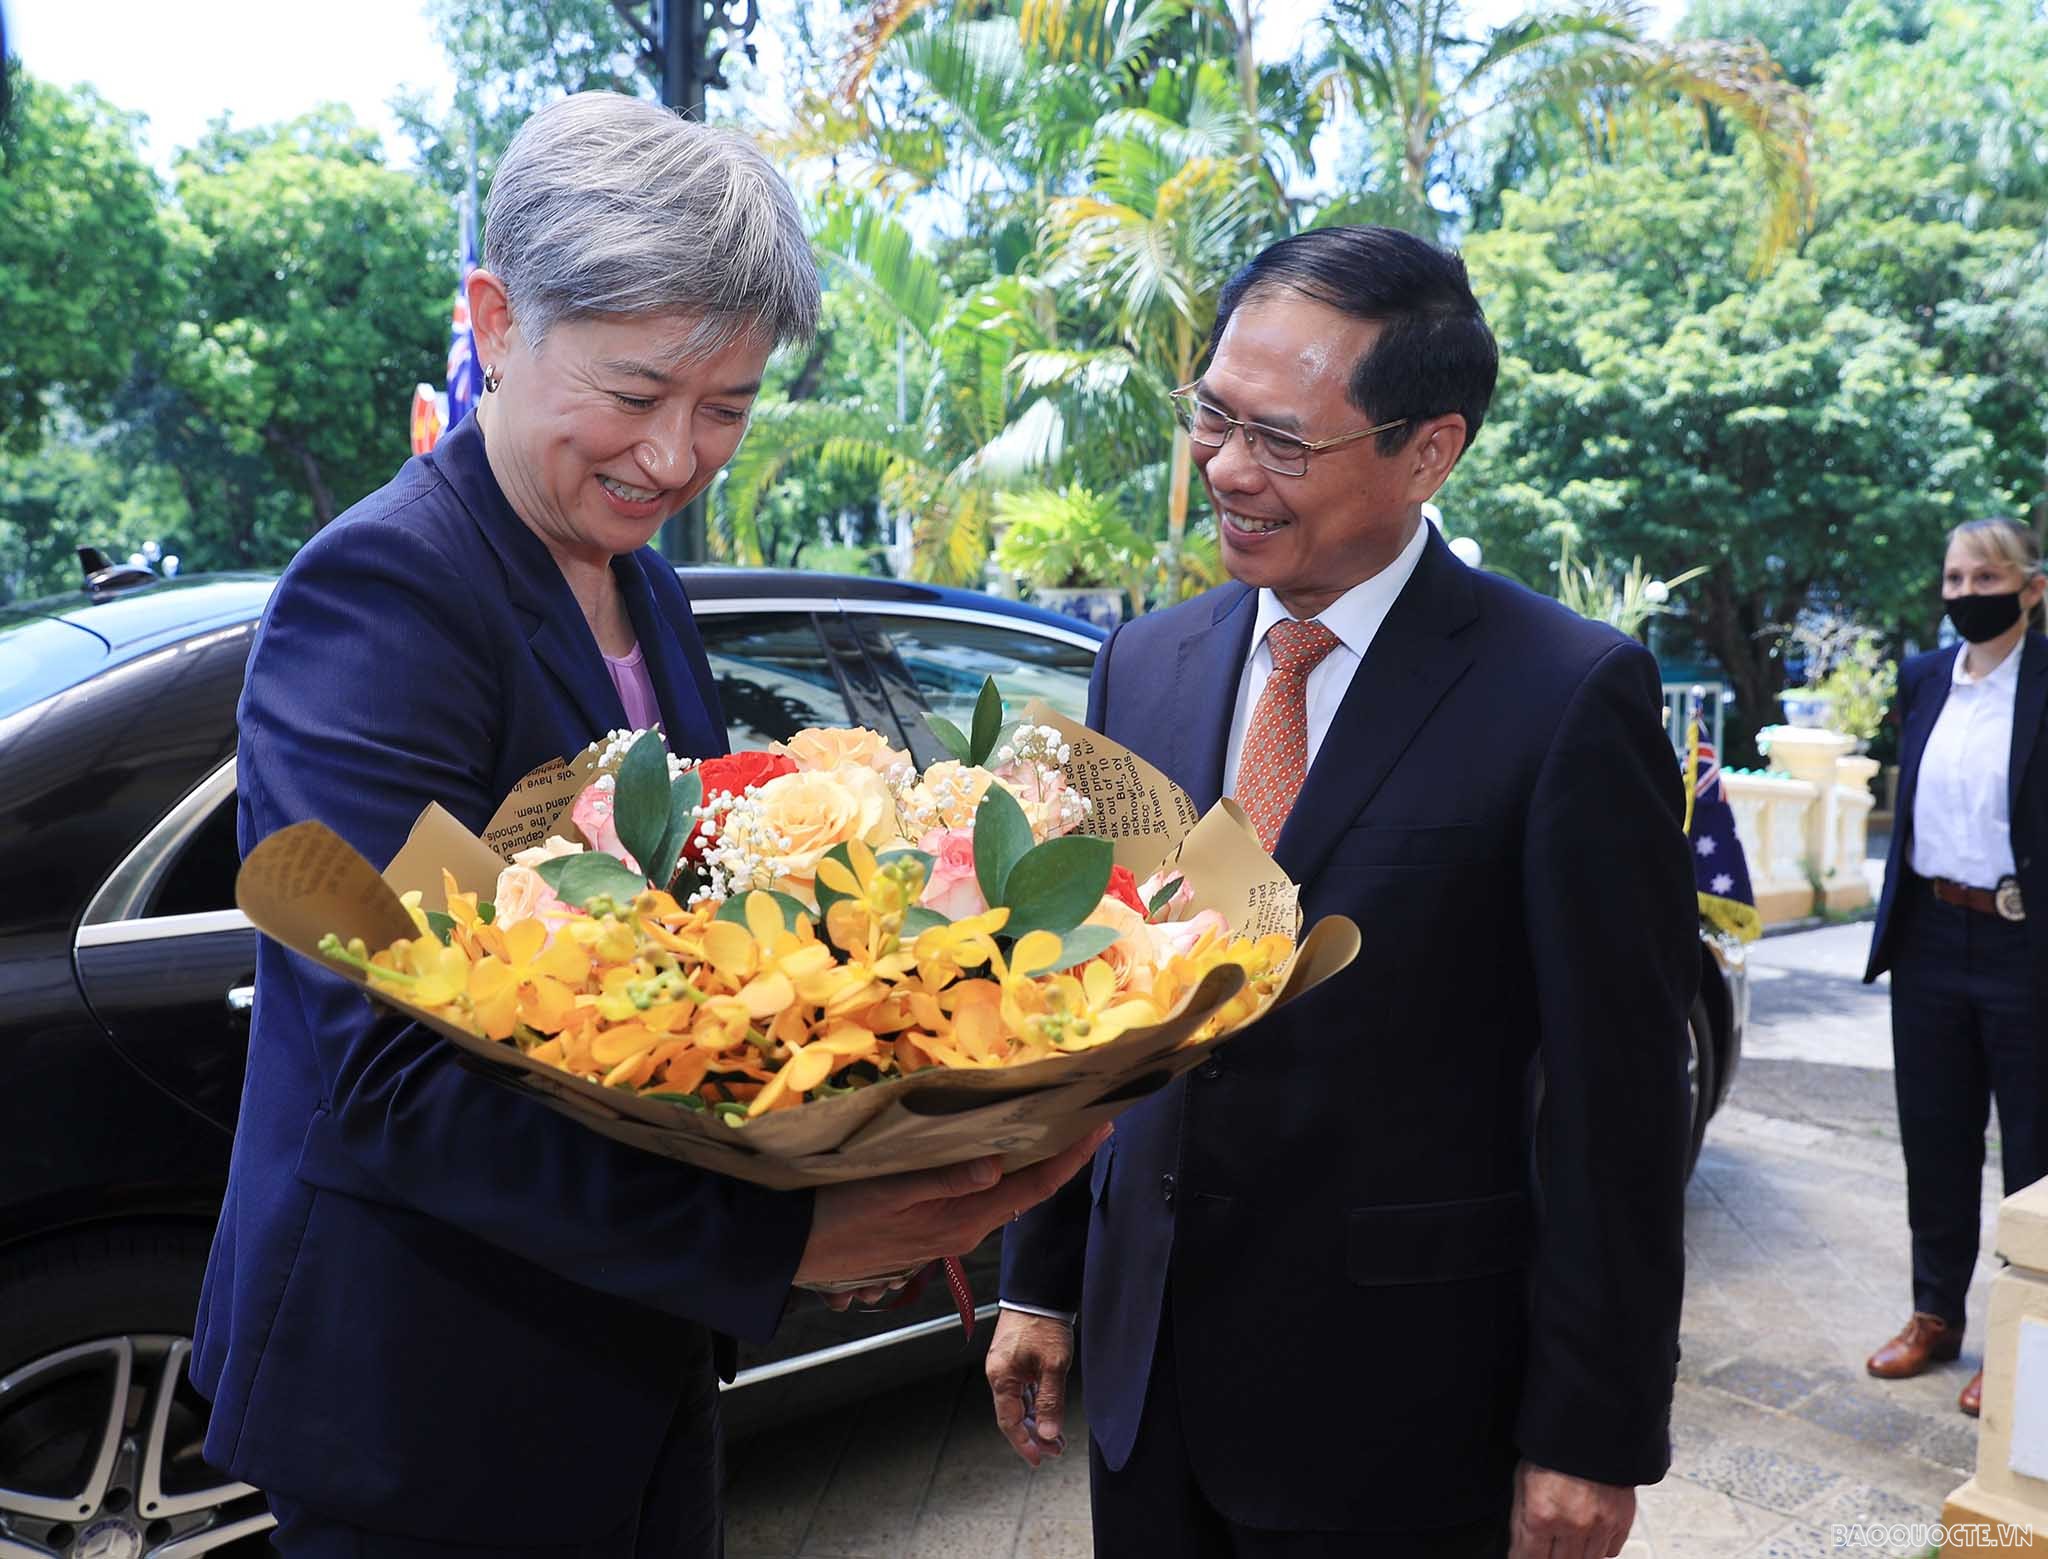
[[83, 278], [1428, 80], [73, 493], [1657, 400], [317, 284], [511, 57]]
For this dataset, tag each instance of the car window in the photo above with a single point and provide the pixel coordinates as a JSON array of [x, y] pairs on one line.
[[947, 661], [202, 878], [773, 674]]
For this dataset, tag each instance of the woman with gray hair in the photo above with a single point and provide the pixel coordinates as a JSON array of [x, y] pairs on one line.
[[438, 1317]]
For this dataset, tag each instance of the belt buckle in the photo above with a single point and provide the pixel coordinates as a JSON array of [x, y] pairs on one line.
[[2005, 898]]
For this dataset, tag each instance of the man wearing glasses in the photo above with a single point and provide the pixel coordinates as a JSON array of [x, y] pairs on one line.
[[1400, 1272]]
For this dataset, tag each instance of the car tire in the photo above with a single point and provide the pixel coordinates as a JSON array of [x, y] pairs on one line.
[[1703, 1079], [100, 1430]]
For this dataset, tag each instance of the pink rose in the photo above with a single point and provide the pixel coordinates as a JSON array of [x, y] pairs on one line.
[[1178, 937], [952, 890], [1182, 896], [592, 815]]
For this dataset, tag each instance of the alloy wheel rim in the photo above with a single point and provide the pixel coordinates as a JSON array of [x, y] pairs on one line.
[[99, 1458]]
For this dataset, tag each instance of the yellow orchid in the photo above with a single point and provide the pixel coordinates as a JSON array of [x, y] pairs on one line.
[[424, 973], [945, 952], [524, 978]]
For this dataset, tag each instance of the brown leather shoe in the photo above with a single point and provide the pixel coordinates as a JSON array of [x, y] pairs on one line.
[[1927, 1339], [1972, 1399]]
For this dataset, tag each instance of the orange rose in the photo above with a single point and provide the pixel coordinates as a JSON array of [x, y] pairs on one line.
[[822, 749], [805, 815]]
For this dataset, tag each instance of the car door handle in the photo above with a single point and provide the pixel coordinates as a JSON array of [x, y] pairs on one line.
[[241, 1000]]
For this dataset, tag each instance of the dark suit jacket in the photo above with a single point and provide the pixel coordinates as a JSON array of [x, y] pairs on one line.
[[1924, 683], [435, 1307], [1374, 1310]]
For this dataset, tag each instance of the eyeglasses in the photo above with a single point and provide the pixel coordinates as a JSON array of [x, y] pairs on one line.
[[1281, 453]]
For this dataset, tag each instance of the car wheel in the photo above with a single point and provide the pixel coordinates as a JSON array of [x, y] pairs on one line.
[[1702, 1078], [100, 1431]]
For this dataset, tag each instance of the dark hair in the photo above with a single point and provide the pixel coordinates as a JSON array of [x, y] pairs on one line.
[[1435, 354]]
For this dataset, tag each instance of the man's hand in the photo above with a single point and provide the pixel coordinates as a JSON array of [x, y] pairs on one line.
[[1561, 1517], [901, 1221], [1028, 1360]]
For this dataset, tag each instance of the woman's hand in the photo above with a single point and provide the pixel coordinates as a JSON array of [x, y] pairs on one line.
[[886, 1225]]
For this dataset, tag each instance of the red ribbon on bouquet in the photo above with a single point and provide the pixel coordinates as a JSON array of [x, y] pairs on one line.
[[956, 1284]]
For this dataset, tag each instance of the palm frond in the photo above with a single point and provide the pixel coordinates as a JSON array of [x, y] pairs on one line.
[[872, 34], [1740, 80], [780, 436], [870, 250]]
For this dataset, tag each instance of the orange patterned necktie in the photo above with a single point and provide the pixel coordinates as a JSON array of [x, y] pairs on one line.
[[1275, 757]]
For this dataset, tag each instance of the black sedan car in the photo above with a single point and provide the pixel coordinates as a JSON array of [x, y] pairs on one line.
[[125, 983]]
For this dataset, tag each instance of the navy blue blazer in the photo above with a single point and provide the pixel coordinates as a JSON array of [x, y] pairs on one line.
[[1924, 683], [1386, 1283], [433, 1306]]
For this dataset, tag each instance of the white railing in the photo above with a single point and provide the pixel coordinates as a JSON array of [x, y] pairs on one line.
[[1804, 824]]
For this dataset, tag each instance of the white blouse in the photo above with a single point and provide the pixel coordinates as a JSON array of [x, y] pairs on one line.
[[1962, 822]]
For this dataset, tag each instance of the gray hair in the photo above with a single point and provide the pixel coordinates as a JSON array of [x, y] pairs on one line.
[[607, 204]]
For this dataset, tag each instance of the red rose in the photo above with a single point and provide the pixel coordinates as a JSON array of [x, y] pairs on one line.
[[1123, 887], [732, 776]]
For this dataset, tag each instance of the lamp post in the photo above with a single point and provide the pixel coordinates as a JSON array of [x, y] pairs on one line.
[[692, 62]]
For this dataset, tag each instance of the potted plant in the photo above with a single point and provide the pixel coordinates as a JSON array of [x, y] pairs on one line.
[[1847, 683], [1859, 688], [1075, 550]]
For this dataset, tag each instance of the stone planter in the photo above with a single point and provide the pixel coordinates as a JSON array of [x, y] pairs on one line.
[[1805, 708]]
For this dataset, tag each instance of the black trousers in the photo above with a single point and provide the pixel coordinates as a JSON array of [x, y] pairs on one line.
[[1152, 1507], [681, 1515], [1964, 1029]]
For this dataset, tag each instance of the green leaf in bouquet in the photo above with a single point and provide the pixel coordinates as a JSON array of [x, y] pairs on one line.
[[1163, 897], [917, 920], [683, 796], [735, 909], [988, 722], [1077, 947], [1002, 836], [688, 1101], [591, 874], [950, 736], [828, 896], [640, 801], [1057, 885], [486, 911], [443, 926]]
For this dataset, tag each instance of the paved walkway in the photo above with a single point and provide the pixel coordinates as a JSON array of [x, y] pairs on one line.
[[1797, 1267]]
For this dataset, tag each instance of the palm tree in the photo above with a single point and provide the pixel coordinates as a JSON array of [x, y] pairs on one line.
[[1173, 208], [1411, 67], [967, 437]]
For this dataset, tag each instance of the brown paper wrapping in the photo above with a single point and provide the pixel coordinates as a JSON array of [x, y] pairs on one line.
[[305, 881]]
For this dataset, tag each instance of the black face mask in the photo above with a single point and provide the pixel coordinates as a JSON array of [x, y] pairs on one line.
[[1982, 618]]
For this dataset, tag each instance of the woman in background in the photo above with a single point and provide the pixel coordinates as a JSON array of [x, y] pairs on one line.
[[1963, 926]]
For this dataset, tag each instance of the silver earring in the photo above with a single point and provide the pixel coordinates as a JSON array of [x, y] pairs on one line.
[[492, 379]]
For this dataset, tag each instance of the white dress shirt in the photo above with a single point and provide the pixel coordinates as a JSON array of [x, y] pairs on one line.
[[1962, 821], [1354, 617]]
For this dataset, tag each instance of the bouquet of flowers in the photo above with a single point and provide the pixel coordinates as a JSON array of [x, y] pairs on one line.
[[815, 962]]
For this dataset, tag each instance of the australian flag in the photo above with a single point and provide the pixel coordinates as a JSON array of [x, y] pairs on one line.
[[465, 374], [1720, 870]]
